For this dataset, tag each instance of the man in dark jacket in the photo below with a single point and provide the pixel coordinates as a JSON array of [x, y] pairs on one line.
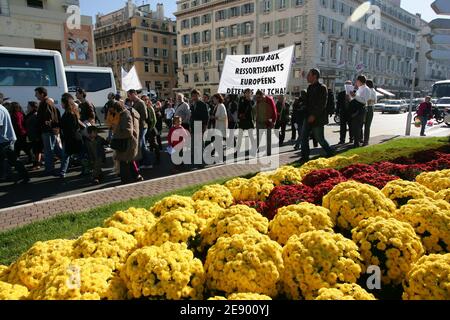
[[343, 101], [199, 110], [317, 117]]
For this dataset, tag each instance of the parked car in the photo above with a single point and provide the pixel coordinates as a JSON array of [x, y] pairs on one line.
[[394, 106], [443, 103], [447, 117], [378, 106]]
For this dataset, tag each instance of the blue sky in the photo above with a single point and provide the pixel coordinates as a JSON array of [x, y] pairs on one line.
[[91, 7]]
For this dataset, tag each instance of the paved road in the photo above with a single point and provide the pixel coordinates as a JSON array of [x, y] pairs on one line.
[[42, 188]]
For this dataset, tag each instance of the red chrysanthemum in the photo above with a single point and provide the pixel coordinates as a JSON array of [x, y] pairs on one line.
[[378, 180], [259, 206], [325, 187], [317, 177], [357, 168], [283, 196]]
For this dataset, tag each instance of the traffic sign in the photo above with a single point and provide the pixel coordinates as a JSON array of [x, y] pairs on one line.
[[441, 7], [443, 55]]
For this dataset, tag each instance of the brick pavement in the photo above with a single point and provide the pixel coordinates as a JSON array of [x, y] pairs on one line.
[[17, 216]]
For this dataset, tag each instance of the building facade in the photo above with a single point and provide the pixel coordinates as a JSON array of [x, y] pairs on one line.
[[320, 30], [428, 71], [41, 24], [135, 35]]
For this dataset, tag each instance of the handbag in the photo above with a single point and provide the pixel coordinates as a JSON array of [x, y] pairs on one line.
[[119, 145]]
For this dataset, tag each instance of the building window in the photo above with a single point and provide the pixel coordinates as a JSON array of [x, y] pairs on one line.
[[234, 12], [164, 53], [266, 29], [195, 21], [233, 31], [206, 76], [247, 49], [146, 67], [234, 50], [145, 37], [155, 39], [155, 52], [157, 64], [322, 49], [185, 40], [206, 56], [206, 36], [38, 4], [247, 28], [166, 84], [339, 53], [185, 24], [221, 15], [196, 38], [267, 6], [146, 52], [280, 46], [220, 54], [333, 50], [221, 33], [166, 68], [281, 26], [186, 78], [195, 57], [299, 3], [297, 24], [323, 23], [174, 42], [196, 77], [265, 49], [281, 4], [164, 41], [324, 3], [248, 8], [206, 18], [298, 50], [185, 58]]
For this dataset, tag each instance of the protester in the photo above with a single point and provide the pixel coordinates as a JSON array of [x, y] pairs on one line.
[[246, 111], [111, 98], [159, 124], [343, 102], [169, 112], [369, 112], [152, 132], [425, 113], [125, 142], [298, 117], [232, 111], [220, 114], [7, 140], [49, 125], [87, 109], [283, 111], [183, 111], [18, 121], [177, 135], [96, 151], [141, 108], [317, 117], [358, 109], [71, 135], [199, 111], [35, 141], [266, 111]]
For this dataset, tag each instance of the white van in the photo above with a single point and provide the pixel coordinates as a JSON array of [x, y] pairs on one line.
[[22, 70], [96, 81]]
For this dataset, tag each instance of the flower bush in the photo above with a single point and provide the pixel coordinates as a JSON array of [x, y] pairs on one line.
[[323, 163], [110, 243], [176, 226], [283, 196], [13, 291], [318, 259], [79, 279], [215, 193], [429, 279], [401, 191], [297, 219], [247, 262], [350, 202], [344, 291], [324, 188], [243, 296], [171, 203], [436, 180], [357, 168], [169, 271], [259, 206], [207, 209], [236, 219], [443, 195], [378, 180], [257, 188], [431, 221], [286, 175], [390, 244], [317, 177], [130, 220]]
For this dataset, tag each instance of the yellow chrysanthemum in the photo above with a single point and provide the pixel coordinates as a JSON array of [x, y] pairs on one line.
[[345, 291], [131, 220], [243, 296], [168, 204], [297, 219], [286, 175], [175, 226], [169, 271], [110, 243], [390, 244], [401, 191], [431, 221], [234, 220], [336, 162], [32, 266], [13, 291], [318, 259], [248, 262], [436, 180], [215, 193], [350, 202], [257, 188], [79, 279], [429, 279], [207, 209], [443, 195]]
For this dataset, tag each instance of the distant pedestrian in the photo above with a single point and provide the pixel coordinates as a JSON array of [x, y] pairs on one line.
[[283, 110], [183, 111], [343, 102], [298, 117], [153, 135], [169, 112], [358, 109], [108, 104], [96, 151], [331, 103], [176, 138], [266, 111], [7, 140], [220, 114], [425, 113], [246, 111], [87, 109], [317, 117], [199, 111], [34, 138], [18, 121], [232, 111], [369, 112], [157, 108]]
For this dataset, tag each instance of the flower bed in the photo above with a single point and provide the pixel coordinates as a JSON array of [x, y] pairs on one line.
[[296, 233]]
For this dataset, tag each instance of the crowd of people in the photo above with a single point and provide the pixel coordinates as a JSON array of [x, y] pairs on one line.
[[135, 125]]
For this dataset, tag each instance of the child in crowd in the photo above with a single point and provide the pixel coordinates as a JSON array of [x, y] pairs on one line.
[[177, 135], [96, 152]]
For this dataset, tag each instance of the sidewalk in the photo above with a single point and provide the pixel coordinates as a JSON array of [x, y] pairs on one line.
[[17, 216]]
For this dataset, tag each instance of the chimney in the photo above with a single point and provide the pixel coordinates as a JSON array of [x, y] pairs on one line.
[[160, 11]]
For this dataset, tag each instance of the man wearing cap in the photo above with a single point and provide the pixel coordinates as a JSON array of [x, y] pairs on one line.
[[7, 140]]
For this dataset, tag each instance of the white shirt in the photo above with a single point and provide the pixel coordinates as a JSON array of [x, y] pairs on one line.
[[169, 113], [373, 97], [7, 133], [363, 94]]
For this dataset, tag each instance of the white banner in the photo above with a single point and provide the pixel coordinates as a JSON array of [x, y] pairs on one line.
[[130, 80], [268, 72]]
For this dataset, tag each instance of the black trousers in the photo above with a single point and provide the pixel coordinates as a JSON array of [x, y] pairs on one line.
[[282, 127], [7, 152], [346, 123], [357, 127]]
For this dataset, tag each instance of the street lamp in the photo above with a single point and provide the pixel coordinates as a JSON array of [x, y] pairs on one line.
[[409, 118]]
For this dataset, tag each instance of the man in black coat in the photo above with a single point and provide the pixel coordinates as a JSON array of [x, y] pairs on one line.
[[199, 110], [316, 115], [343, 101]]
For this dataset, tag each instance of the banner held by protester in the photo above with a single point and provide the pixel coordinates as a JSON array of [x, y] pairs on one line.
[[268, 72]]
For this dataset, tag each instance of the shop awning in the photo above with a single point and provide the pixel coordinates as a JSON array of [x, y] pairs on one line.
[[385, 92]]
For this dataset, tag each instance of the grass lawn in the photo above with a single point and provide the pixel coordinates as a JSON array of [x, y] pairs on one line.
[[16, 241]]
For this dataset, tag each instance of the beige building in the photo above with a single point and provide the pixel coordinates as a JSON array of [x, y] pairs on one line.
[[136, 35], [41, 24], [319, 29]]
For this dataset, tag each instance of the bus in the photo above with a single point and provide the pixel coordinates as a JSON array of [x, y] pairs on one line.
[[22, 70], [441, 89], [96, 81]]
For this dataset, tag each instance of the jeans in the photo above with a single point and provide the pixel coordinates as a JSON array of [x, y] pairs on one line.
[[368, 124], [143, 146], [7, 152], [423, 121], [51, 147], [65, 160], [299, 130], [318, 134]]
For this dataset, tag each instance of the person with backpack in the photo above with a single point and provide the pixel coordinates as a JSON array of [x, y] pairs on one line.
[[49, 120]]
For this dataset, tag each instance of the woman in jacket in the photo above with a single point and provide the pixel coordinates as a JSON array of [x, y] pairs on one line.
[[127, 130], [425, 113], [220, 114], [31, 125], [246, 111], [18, 121]]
